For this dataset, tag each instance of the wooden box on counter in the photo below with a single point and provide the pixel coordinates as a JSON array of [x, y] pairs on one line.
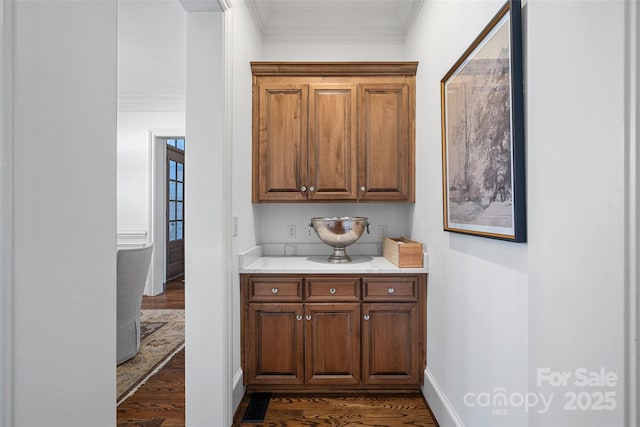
[[403, 252]]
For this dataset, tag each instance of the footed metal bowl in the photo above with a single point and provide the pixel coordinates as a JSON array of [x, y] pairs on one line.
[[339, 232]]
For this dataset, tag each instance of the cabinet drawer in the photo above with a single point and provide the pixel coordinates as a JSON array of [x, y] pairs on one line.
[[391, 288], [333, 289], [275, 289]]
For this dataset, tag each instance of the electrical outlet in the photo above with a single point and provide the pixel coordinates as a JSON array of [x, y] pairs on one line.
[[291, 231], [235, 226], [382, 231]]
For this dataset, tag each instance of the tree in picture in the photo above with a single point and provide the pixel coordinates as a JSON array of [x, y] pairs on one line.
[[479, 143]]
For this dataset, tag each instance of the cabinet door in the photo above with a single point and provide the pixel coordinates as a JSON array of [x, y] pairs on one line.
[[280, 155], [332, 343], [332, 142], [274, 353], [385, 141], [390, 343]]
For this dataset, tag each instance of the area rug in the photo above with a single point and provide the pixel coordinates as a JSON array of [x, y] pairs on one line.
[[161, 337]]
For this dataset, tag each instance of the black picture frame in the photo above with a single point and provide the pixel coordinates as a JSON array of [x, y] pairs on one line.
[[483, 151]]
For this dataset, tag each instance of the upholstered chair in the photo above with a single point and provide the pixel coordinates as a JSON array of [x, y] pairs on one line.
[[132, 267]]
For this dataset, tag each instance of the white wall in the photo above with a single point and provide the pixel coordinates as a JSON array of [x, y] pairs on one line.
[[633, 217], [272, 222], [335, 51], [6, 209], [576, 162], [151, 38], [477, 288], [133, 164], [246, 48], [497, 311], [64, 213], [208, 373], [151, 84], [141, 199]]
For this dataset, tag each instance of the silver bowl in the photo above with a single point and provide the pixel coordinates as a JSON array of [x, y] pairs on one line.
[[339, 232]]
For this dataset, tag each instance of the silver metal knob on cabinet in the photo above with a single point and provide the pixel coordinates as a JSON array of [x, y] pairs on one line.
[[303, 188], [363, 188], [274, 290], [332, 290], [366, 317], [312, 188], [391, 290], [299, 317], [308, 317]]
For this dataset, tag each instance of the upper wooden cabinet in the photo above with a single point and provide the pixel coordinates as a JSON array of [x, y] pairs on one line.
[[333, 131]]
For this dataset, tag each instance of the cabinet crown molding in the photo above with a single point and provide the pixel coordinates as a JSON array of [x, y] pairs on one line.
[[407, 68]]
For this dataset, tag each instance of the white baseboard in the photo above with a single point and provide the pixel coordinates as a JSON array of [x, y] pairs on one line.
[[440, 406], [238, 389]]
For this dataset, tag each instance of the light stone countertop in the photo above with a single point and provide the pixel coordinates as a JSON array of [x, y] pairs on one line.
[[318, 264]]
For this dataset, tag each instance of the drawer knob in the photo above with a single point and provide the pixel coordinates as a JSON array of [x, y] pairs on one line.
[[363, 188], [366, 317], [299, 317], [308, 317], [274, 290], [303, 189], [391, 290], [332, 290]]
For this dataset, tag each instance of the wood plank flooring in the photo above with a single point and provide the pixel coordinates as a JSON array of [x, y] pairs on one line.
[[160, 402], [172, 297], [342, 410]]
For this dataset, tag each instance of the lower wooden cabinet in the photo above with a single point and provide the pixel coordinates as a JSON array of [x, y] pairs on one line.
[[333, 332], [276, 335], [332, 343], [390, 343]]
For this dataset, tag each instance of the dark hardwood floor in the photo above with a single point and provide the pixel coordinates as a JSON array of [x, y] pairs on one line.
[[172, 297], [342, 410], [160, 402]]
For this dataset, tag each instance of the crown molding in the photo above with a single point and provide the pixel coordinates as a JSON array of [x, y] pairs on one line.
[[225, 5], [203, 5], [256, 16], [416, 6], [151, 103], [407, 68]]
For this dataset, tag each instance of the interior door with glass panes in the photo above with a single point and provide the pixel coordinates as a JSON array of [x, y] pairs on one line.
[[175, 208]]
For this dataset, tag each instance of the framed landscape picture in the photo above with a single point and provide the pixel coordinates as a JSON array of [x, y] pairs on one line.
[[483, 133]]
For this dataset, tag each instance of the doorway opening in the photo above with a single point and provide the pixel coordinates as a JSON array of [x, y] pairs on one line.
[[162, 336], [164, 218], [174, 218]]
